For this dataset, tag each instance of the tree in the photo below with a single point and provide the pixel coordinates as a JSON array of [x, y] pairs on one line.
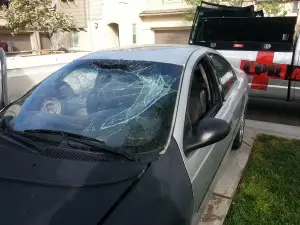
[[270, 7], [37, 16]]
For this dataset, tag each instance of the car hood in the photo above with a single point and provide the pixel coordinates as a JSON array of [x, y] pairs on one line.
[[37, 190]]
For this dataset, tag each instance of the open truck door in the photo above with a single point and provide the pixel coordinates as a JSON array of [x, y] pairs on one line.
[[212, 10], [261, 46], [4, 91]]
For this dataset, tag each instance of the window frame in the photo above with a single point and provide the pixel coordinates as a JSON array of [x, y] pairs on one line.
[[295, 7], [75, 39], [213, 88], [134, 33], [234, 77]]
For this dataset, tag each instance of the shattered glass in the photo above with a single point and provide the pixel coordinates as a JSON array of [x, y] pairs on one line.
[[125, 103]]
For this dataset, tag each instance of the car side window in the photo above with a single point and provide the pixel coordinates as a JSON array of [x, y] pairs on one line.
[[224, 72], [204, 96]]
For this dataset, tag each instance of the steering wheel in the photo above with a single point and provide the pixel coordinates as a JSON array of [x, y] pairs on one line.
[[55, 104], [65, 90]]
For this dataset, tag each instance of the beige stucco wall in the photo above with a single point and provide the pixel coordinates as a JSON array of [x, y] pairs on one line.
[[76, 8], [98, 34], [89, 38], [164, 4], [84, 40], [125, 13], [95, 15], [152, 23]]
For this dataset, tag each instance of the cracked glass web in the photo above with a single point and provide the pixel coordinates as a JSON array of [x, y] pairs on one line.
[[121, 102], [134, 96]]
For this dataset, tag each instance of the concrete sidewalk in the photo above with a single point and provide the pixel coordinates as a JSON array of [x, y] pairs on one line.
[[217, 209], [274, 129]]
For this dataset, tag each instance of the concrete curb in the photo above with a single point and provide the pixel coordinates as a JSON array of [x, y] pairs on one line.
[[218, 207]]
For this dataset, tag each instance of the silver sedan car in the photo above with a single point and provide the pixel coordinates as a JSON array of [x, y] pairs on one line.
[[131, 136]]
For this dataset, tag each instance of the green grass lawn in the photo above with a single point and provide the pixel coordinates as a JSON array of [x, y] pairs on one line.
[[269, 192]]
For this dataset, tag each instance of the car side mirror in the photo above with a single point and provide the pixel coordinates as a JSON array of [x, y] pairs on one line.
[[208, 132]]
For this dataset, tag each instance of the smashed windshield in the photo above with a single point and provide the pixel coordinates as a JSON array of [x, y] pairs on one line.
[[126, 104]]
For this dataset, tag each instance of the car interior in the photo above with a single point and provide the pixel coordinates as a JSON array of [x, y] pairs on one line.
[[198, 103]]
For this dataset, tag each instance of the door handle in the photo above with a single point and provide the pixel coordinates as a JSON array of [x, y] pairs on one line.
[[230, 124]]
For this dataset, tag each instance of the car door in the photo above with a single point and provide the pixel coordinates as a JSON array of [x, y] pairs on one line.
[[231, 89], [202, 164]]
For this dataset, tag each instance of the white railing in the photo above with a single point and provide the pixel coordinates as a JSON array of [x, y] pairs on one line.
[[25, 72]]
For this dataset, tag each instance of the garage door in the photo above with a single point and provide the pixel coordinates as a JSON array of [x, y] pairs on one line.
[[21, 42], [172, 36]]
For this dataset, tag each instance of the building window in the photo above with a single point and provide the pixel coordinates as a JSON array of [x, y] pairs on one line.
[[134, 33], [4, 3], [295, 7], [75, 39]]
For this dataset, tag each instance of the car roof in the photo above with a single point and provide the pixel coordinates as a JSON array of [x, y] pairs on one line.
[[174, 54]]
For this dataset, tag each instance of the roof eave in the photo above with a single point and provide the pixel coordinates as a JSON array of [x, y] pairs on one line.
[[169, 12]]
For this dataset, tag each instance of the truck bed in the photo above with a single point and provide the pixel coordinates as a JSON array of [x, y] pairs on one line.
[[245, 33]]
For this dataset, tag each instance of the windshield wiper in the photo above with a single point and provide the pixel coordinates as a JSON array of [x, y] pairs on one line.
[[84, 140], [25, 142]]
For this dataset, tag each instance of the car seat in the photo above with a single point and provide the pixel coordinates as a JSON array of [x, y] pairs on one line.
[[198, 98]]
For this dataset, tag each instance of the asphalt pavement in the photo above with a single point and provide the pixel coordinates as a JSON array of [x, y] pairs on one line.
[[274, 111]]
